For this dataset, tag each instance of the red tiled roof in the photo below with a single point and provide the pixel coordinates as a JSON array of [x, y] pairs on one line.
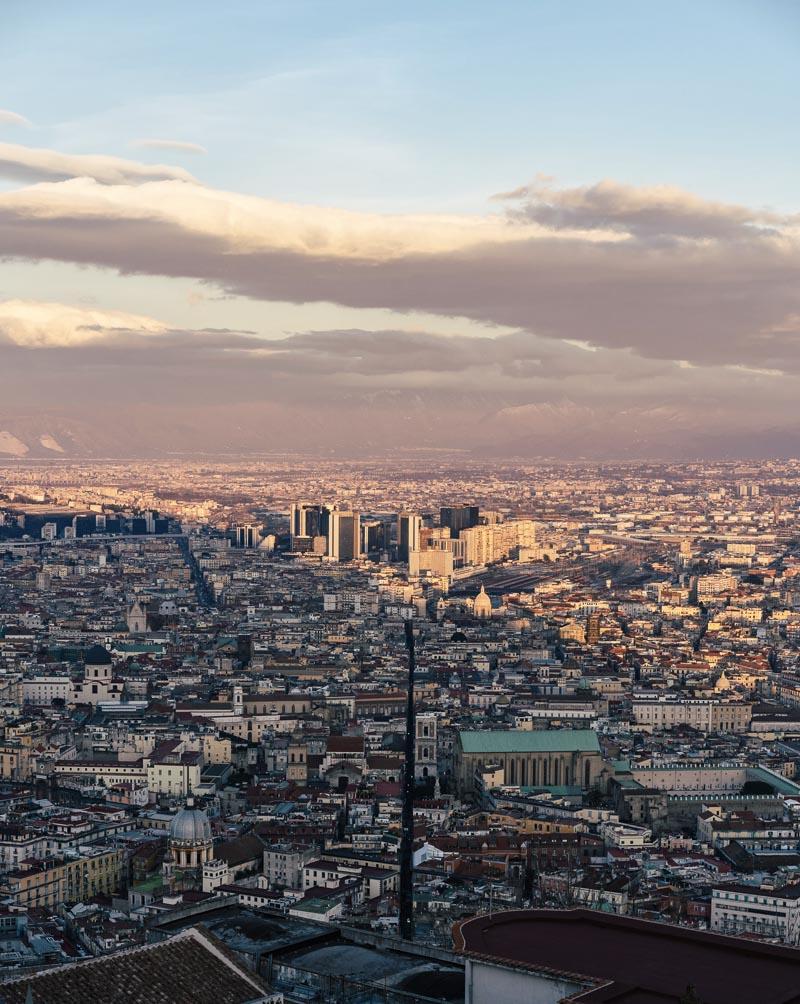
[[190, 968]]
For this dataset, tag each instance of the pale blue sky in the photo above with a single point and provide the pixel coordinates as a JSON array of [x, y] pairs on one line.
[[419, 105]]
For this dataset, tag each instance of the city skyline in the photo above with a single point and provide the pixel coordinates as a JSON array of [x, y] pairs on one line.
[[541, 231]]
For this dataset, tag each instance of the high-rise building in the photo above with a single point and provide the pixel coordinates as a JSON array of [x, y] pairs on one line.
[[459, 517], [344, 536], [409, 527], [484, 544], [374, 536], [438, 561], [747, 489], [247, 535], [298, 519], [307, 522]]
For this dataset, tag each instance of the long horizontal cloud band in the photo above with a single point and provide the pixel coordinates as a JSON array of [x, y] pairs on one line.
[[674, 304], [656, 270], [40, 335], [148, 387]]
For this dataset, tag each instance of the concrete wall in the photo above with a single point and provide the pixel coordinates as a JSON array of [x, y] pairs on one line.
[[487, 983]]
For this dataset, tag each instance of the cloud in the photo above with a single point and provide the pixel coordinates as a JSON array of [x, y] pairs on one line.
[[35, 324], [29, 164], [354, 357], [655, 271], [136, 385], [656, 212], [250, 224], [12, 118], [510, 363], [179, 145]]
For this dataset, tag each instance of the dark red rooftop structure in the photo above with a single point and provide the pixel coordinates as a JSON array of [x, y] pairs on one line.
[[626, 960]]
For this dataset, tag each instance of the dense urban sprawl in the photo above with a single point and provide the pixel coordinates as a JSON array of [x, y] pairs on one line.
[[204, 681]]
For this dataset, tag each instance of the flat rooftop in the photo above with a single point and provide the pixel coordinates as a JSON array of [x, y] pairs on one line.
[[388, 967], [247, 931], [640, 961]]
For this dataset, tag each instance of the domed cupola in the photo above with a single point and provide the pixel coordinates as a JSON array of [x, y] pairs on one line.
[[97, 656], [190, 846], [190, 825], [482, 606]]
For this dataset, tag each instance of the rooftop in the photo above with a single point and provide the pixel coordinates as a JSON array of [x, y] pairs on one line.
[[642, 961], [541, 741], [190, 968]]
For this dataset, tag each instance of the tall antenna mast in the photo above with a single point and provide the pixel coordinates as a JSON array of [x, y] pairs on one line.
[[407, 837]]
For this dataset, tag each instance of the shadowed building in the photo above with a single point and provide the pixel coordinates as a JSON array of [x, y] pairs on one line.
[[409, 527], [344, 538], [459, 517]]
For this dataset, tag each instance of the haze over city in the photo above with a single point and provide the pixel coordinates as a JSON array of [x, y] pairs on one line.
[[536, 229]]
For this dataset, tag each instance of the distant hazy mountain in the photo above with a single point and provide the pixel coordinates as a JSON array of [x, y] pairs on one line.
[[387, 421]]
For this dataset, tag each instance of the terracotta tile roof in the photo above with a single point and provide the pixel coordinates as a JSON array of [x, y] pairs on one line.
[[345, 744], [190, 968]]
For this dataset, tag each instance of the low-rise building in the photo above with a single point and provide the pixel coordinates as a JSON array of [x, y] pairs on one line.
[[772, 913]]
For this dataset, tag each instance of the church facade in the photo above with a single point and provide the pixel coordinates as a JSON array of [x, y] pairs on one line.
[[99, 683], [554, 757]]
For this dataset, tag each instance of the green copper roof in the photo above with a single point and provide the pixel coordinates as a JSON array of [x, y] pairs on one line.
[[557, 790], [541, 741], [783, 785]]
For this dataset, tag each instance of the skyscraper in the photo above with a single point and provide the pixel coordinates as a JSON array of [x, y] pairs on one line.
[[459, 517], [247, 535], [409, 527], [374, 536], [306, 522], [344, 536], [298, 520]]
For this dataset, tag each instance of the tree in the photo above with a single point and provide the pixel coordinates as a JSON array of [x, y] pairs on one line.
[[594, 797]]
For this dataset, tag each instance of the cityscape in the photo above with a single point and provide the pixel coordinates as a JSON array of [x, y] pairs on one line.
[[399, 502], [205, 682]]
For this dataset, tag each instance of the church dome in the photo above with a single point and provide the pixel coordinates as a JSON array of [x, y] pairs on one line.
[[483, 605], [97, 656], [190, 825]]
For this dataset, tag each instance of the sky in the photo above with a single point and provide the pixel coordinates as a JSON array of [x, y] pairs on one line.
[[515, 229]]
